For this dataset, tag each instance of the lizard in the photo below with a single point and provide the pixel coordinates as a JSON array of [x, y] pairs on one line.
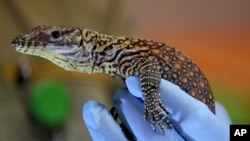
[[87, 51]]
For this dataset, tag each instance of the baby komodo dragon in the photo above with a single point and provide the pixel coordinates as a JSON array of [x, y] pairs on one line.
[[84, 50]]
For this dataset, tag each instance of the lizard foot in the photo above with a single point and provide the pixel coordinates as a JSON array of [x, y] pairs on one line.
[[156, 111]]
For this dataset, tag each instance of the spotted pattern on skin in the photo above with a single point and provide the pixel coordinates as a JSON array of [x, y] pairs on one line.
[[88, 51]]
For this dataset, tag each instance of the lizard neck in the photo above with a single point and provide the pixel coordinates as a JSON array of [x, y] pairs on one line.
[[100, 52]]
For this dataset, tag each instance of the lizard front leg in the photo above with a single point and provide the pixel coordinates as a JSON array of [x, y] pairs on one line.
[[150, 76]]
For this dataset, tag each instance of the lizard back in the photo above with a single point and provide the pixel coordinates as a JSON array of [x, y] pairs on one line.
[[175, 67]]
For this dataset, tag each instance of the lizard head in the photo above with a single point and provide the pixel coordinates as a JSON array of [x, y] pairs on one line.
[[58, 44]]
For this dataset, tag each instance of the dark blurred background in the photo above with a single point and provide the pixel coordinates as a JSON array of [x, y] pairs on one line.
[[216, 34]]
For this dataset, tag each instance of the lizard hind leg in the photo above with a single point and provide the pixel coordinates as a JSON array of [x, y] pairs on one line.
[[155, 110]]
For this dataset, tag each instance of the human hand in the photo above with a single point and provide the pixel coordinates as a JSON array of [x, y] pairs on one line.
[[191, 119]]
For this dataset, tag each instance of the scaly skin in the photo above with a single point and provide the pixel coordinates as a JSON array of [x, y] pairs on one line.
[[83, 50]]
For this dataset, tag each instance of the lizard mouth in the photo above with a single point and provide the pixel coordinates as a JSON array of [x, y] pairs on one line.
[[18, 41], [23, 41]]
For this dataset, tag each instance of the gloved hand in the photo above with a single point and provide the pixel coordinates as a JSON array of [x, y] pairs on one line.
[[191, 119]]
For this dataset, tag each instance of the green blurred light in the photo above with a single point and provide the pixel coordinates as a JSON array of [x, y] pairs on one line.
[[49, 103], [236, 105]]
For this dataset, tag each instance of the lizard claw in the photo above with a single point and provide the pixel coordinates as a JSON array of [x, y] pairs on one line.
[[157, 112]]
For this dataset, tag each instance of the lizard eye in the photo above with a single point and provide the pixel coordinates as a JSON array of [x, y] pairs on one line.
[[55, 35]]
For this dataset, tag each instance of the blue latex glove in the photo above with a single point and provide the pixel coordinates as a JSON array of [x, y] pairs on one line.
[[191, 119]]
